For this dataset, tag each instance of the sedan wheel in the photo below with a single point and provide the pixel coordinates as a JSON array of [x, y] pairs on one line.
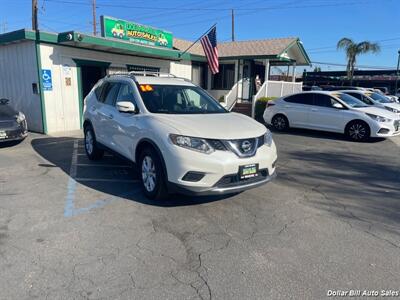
[[280, 123], [358, 131], [89, 142]]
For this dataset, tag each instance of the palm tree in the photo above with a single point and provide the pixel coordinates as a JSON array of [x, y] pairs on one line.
[[353, 50]]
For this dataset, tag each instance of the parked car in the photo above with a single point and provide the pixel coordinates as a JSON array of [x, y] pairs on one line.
[[181, 138], [13, 125], [334, 112], [338, 88], [376, 99]]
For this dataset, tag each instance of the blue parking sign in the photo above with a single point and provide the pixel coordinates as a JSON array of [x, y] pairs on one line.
[[47, 82]]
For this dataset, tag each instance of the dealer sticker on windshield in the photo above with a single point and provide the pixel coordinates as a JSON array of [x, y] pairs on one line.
[[248, 171], [3, 135]]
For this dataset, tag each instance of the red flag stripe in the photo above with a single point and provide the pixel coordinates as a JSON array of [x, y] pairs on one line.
[[207, 48]]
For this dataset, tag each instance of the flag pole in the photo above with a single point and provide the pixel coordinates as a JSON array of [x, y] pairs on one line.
[[180, 54]]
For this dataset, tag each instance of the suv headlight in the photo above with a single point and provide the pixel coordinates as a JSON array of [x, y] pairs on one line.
[[20, 117], [392, 109], [192, 143], [268, 138], [379, 118]]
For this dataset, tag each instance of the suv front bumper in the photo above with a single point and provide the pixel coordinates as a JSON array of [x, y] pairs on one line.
[[237, 187], [219, 170]]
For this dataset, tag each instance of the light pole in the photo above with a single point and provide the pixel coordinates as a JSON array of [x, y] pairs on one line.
[[397, 72]]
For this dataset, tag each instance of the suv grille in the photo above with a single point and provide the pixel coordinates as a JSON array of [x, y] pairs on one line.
[[242, 147]]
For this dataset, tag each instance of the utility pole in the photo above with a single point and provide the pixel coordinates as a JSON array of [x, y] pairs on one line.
[[233, 25], [397, 72], [35, 15], [94, 17], [3, 27]]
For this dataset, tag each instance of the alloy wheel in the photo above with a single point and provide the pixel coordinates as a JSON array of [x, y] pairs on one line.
[[357, 131], [279, 123], [149, 174], [89, 142]]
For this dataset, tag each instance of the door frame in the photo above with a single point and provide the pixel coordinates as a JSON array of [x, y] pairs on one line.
[[79, 64]]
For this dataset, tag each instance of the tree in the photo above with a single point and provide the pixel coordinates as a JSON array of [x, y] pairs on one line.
[[353, 50], [317, 69]]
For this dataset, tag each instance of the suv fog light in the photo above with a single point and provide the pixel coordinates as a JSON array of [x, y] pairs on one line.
[[193, 176]]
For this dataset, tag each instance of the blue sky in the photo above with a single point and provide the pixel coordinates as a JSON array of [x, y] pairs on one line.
[[318, 23]]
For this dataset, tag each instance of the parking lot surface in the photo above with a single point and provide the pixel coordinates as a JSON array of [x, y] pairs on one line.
[[72, 228]]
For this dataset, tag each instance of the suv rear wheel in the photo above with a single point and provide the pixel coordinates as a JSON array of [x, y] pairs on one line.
[[93, 152], [152, 175]]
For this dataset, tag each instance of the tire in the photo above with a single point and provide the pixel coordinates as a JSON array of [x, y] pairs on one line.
[[152, 175], [280, 123], [358, 131], [93, 152]]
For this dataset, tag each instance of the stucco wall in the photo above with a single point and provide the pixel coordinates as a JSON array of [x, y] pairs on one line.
[[18, 71], [62, 103]]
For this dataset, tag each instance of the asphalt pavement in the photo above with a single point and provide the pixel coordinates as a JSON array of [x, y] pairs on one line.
[[74, 229]]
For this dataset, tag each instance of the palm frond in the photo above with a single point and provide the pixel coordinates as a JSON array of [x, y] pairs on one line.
[[344, 43], [366, 46]]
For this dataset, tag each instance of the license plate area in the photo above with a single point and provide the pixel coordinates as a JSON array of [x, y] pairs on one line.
[[248, 171]]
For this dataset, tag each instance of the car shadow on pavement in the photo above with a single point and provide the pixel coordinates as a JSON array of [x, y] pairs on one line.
[[350, 185], [9, 144], [321, 135], [112, 175]]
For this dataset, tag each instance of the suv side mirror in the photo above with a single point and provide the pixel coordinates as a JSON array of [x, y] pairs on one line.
[[338, 105], [126, 107]]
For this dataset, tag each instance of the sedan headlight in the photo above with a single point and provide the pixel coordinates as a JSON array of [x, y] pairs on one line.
[[379, 118], [392, 109], [268, 138], [192, 143], [20, 117]]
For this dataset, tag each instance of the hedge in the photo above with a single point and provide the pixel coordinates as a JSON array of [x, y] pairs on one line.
[[261, 104]]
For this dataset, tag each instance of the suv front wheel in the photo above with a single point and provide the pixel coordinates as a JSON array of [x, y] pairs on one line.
[[152, 175]]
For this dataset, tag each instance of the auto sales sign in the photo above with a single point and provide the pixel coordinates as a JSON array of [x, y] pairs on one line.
[[134, 32]]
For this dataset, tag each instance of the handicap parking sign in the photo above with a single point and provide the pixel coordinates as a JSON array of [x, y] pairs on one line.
[[47, 81]]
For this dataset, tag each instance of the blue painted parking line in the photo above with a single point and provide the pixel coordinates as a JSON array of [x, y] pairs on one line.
[[69, 209]]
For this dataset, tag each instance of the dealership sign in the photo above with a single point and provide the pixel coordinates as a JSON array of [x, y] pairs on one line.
[[133, 32]]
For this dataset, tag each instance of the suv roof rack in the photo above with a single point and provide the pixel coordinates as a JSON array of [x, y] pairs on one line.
[[144, 73]]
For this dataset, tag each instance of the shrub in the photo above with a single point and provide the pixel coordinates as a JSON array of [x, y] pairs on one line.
[[221, 99], [261, 104]]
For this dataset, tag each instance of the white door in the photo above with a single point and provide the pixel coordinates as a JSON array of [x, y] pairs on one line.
[[297, 108], [125, 132], [324, 116], [105, 113]]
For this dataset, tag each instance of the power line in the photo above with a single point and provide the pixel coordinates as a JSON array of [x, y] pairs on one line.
[[344, 65]]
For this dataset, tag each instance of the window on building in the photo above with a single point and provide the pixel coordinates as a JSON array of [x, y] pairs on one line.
[[225, 79]]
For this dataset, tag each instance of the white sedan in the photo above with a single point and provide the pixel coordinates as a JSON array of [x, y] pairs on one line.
[[334, 112]]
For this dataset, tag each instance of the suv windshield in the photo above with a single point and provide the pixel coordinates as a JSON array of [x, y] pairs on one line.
[[350, 100], [379, 98], [175, 99]]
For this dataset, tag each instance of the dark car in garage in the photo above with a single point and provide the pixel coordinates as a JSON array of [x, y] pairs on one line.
[[13, 125]]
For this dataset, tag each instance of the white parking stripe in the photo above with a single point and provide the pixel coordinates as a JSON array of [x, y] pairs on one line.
[[72, 171], [104, 165], [107, 180]]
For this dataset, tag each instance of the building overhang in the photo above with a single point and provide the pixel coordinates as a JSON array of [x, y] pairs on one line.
[[94, 43]]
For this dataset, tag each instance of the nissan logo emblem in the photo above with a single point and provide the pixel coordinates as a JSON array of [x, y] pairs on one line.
[[246, 146]]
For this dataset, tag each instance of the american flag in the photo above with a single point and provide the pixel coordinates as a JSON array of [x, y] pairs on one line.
[[209, 43]]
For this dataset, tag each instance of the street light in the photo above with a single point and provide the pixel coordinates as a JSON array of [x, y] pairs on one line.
[[397, 72]]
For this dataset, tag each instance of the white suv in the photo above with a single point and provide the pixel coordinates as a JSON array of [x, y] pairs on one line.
[[181, 139]]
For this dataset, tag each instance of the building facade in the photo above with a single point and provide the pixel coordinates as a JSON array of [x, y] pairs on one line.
[[47, 75]]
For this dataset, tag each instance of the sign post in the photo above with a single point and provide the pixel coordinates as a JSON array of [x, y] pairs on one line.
[[134, 32]]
